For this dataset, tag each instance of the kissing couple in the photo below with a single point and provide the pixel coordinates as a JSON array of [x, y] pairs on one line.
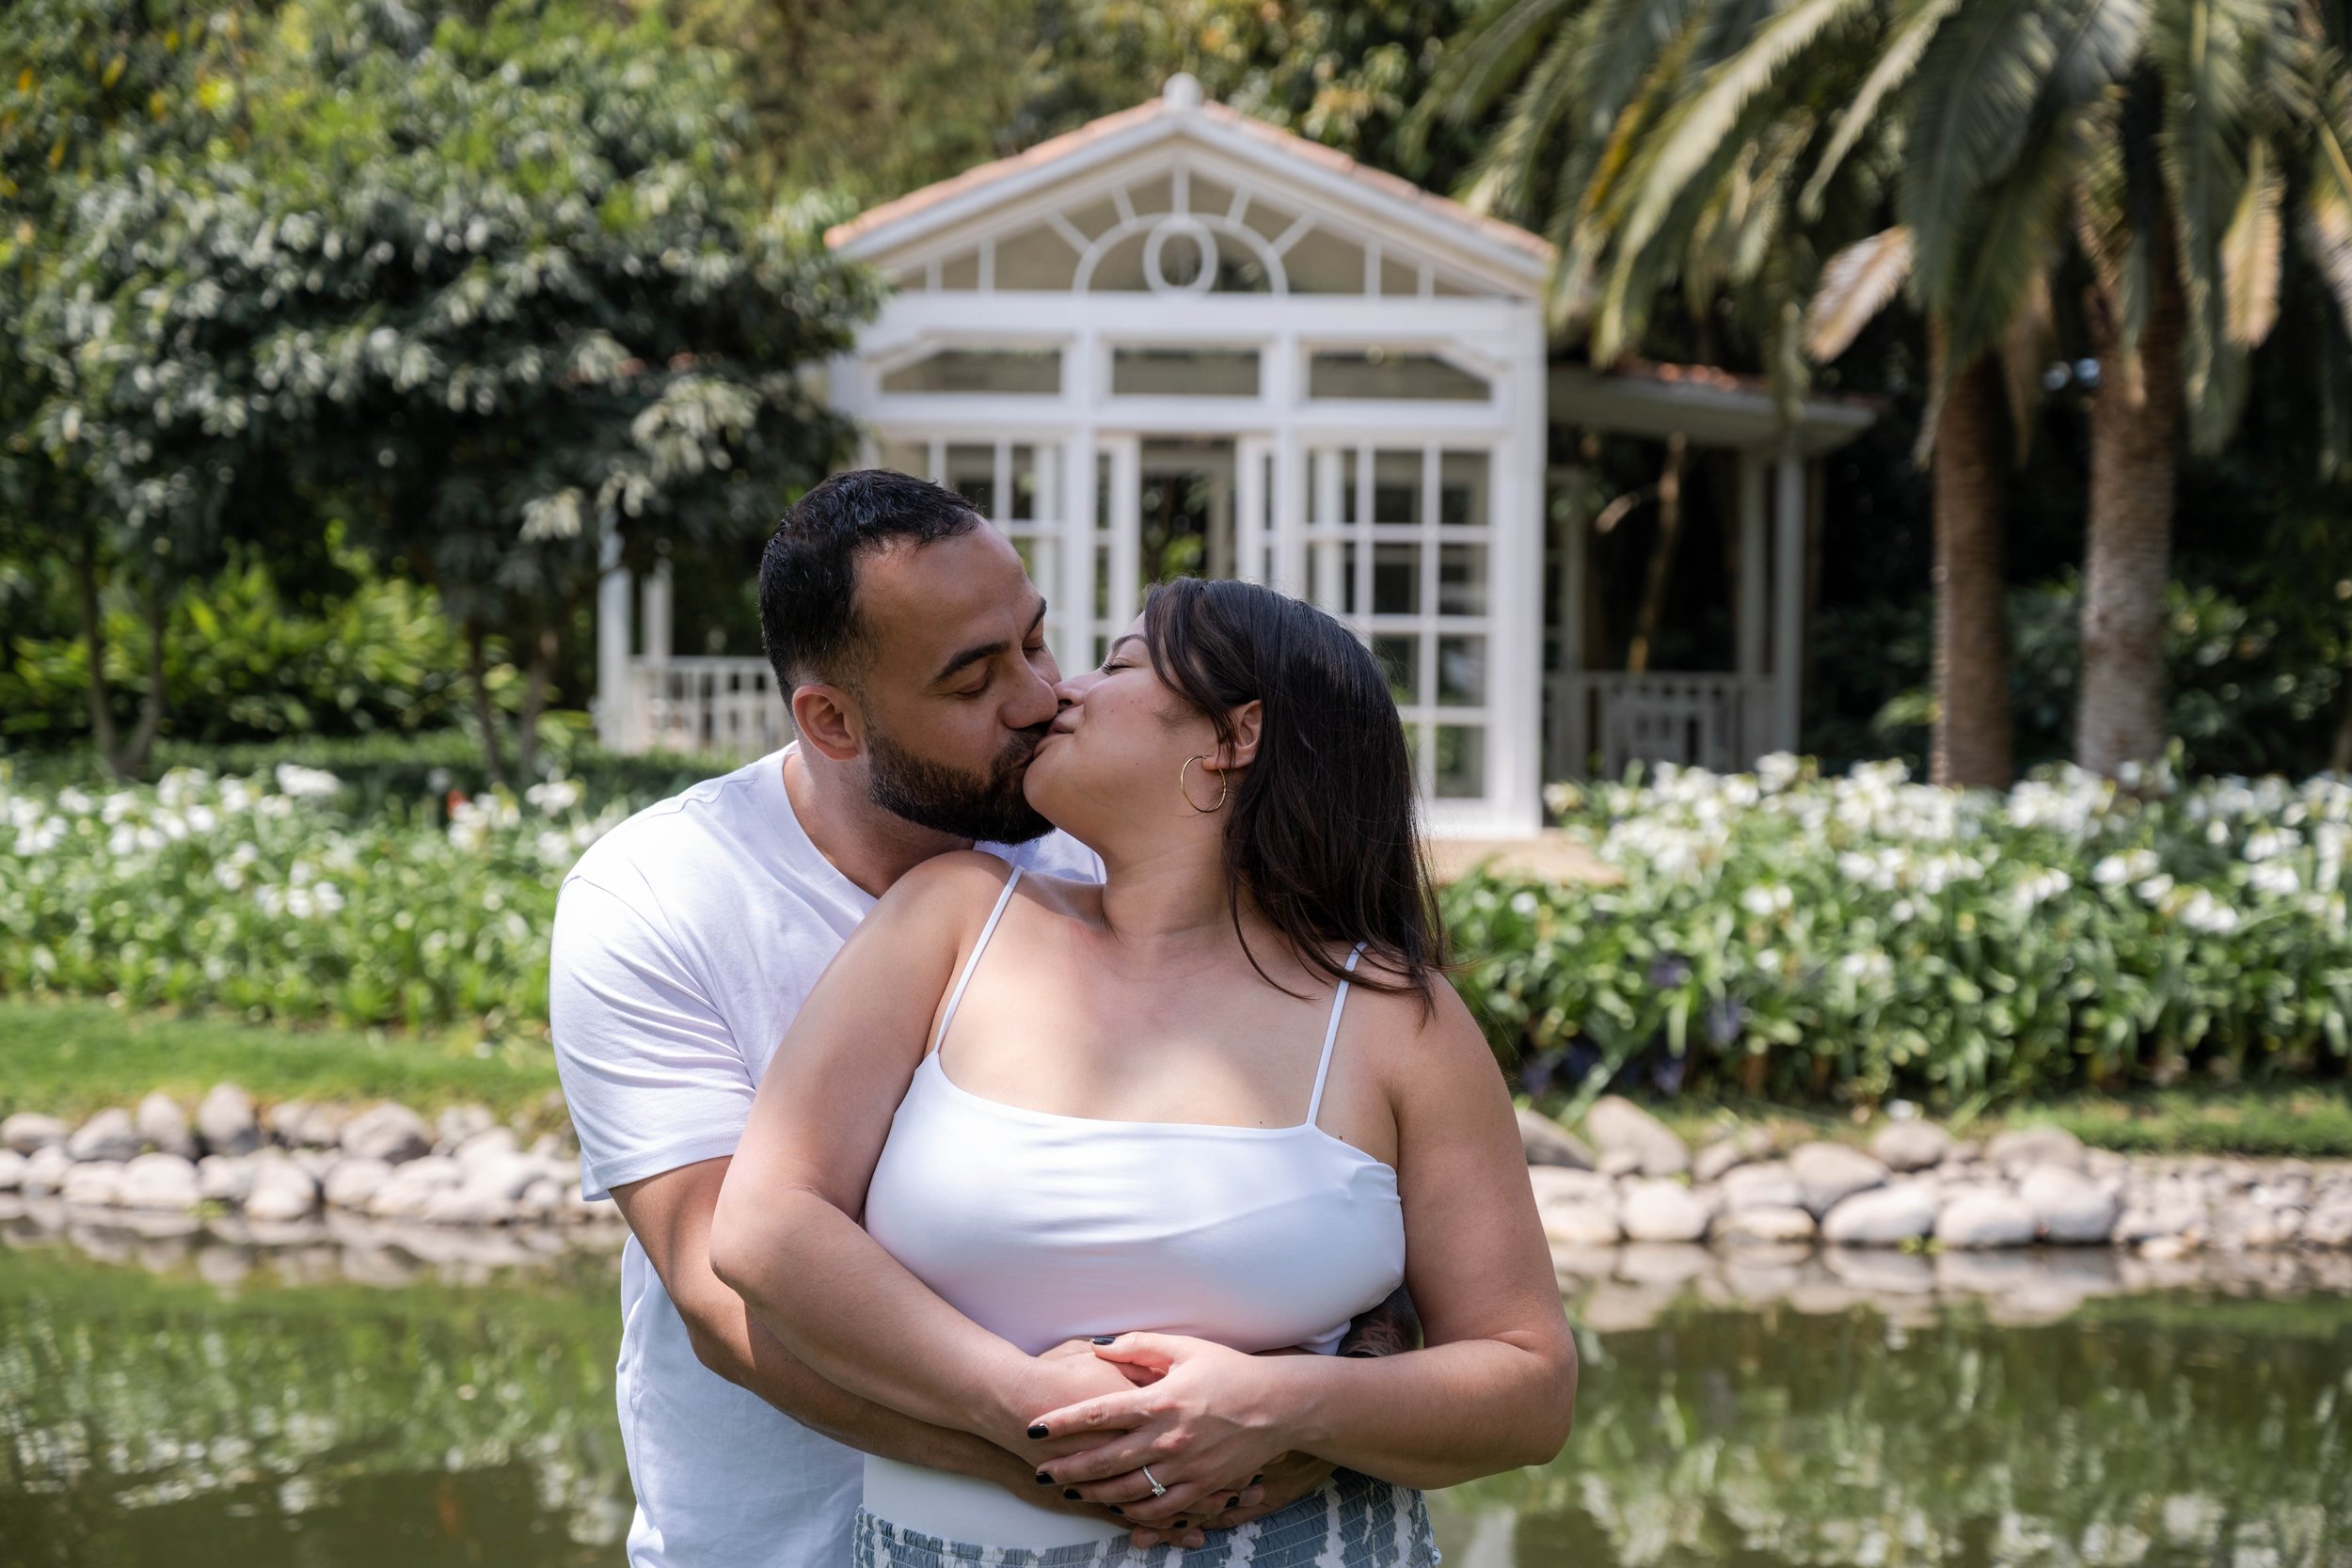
[[1022, 1087]]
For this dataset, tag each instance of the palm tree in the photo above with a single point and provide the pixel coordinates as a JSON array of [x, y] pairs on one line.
[[2161, 141]]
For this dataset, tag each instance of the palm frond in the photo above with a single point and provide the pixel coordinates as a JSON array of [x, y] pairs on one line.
[[1914, 27], [2250, 251], [1482, 64], [1504, 180], [1972, 109], [2327, 216], [2205, 53], [1695, 131], [2010, 240], [1855, 285], [2118, 218]]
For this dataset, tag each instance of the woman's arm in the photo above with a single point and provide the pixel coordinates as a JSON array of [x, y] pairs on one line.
[[1495, 1389], [787, 1235]]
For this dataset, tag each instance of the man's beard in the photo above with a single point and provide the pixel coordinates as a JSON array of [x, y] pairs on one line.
[[989, 807]]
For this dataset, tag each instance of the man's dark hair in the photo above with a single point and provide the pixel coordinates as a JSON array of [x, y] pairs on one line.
[[808, 574]]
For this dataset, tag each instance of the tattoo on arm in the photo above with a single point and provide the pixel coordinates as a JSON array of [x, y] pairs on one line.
[[1387, 1329]]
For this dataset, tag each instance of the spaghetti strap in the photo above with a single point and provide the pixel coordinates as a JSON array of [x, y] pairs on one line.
[[955, 998], [1330, 1035]]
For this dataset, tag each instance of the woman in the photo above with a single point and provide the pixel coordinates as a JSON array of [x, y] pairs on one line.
[[1217, 1106]]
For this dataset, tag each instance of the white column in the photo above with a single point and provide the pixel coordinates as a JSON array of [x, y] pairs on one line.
[[614, 699], [1754, 567], [1515, 587], [655, 723], [1787, 596], [656, 611]]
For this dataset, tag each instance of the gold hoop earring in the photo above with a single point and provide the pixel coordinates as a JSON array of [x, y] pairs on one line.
[[1224, 788]]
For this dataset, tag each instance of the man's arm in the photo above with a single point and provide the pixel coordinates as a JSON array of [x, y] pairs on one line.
[[669, 1215]]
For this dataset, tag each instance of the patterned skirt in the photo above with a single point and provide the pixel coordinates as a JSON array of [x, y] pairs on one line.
[[1353, 1522]]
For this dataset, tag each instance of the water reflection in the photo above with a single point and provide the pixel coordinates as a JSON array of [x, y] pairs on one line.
[[1843, 1411]]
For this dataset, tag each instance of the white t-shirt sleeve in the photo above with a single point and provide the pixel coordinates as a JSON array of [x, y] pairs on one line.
[[650, 1069]]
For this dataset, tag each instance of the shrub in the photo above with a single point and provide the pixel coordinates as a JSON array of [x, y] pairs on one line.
[[244, 658], [1787, 935]]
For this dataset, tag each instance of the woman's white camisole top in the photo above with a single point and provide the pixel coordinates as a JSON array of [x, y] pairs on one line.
[[1043, 1227]]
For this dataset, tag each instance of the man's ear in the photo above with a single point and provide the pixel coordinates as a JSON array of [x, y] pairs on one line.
[[828, 722], [1249, 727]]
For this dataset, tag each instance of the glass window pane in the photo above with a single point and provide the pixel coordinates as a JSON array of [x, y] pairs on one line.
[[1462, 489], [1184, 373], [1392, 375], [1462, 670], [908, 458], [1025, 484], [1331, 575], [972, 474], [1396, 488], [1399, 280], [1462, 579], [1037, 259], [979, 370], [1461, 762], [960, 272], [1396, 580], [1321, 262], [1399, 659]]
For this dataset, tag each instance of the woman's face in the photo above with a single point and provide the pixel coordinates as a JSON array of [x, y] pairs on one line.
[[1117, 743]]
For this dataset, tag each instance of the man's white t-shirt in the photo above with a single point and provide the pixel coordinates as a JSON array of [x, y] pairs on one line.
[[685, 941]]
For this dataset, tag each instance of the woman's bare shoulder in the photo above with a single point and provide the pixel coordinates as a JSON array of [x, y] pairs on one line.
[[1419, 1042]]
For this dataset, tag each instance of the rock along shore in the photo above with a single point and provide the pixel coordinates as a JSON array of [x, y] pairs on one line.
[[295, 1162], [1916, 1186]]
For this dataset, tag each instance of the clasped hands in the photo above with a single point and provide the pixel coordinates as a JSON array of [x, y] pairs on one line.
[[1208, 1419]]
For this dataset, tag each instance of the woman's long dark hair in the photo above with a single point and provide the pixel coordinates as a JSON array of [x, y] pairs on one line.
[[1323, 835]]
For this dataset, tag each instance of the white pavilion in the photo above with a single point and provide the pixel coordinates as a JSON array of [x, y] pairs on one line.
[[1181, 340]]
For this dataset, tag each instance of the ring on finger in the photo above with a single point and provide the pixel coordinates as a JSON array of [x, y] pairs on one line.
[[1158, 1490]]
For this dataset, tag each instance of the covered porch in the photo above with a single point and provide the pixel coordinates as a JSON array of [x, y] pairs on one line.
[[1599, 719]]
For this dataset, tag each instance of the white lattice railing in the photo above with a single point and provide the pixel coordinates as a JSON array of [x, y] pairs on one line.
[[726, 707], [1607, 718]]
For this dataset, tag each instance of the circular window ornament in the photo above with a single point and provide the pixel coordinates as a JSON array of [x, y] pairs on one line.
[[1193, 264]]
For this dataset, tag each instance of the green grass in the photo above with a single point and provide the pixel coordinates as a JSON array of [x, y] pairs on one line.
[[72, 1058], [2307, 1120]]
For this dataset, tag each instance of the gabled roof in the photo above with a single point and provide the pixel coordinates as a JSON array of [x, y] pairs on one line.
[[1179, 112]]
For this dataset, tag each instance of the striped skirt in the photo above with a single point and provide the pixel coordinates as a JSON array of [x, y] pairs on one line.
[[1353, 1522]]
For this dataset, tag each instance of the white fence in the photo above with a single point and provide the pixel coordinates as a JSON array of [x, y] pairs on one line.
[[725, 706], [1607, 718]]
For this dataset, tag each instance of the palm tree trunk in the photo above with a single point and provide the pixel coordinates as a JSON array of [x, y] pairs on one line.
[[1971, 744], [2134, 448]]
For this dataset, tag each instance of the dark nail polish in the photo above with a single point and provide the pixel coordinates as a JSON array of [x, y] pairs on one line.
[[1070, 1492], [1106, 1338], [1180, 1524], [1115, 1509], [1044, 1479], [1232, 1502], [1256, 1478], [1037, 1429]]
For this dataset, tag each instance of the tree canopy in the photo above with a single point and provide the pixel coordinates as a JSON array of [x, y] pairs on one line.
[[505, 285]]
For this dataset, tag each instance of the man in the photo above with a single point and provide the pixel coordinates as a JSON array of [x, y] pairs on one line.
[[913, 644]]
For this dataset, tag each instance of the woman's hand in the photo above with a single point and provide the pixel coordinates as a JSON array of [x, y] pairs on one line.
[[1211, 1419]]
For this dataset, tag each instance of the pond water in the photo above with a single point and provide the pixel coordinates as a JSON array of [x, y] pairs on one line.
[[192, 1416]]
